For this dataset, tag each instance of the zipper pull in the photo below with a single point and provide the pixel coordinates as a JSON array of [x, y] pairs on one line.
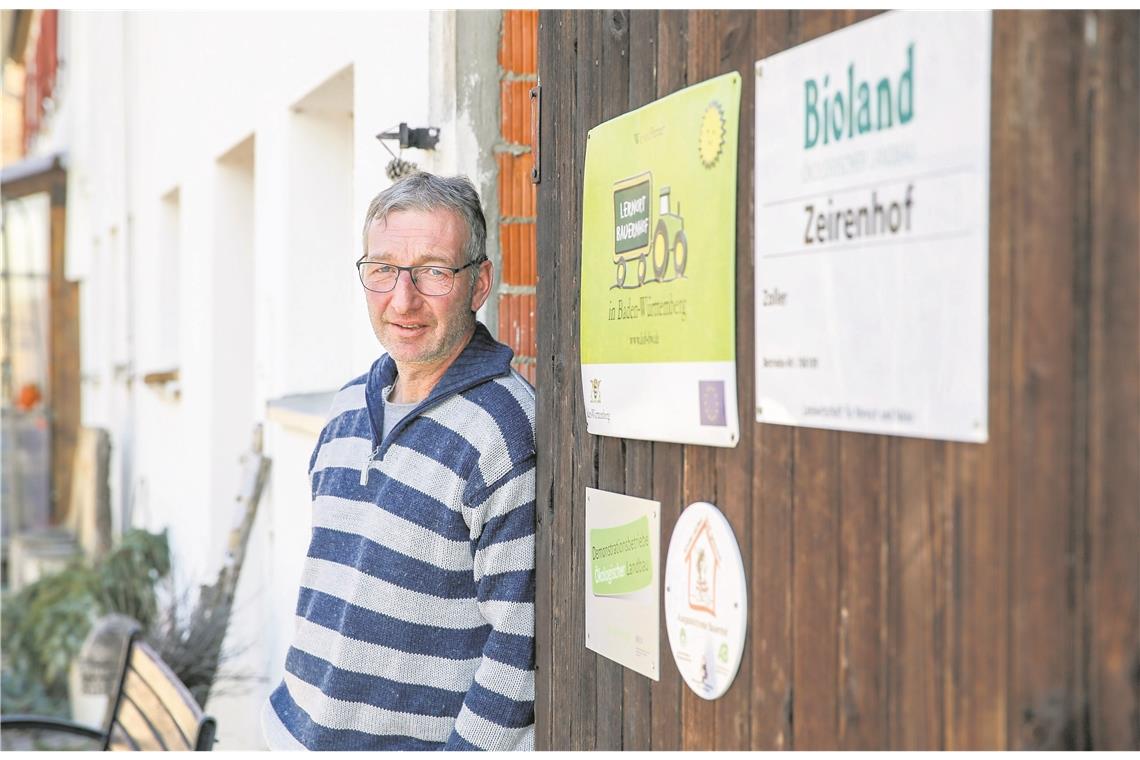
[[366, 470]]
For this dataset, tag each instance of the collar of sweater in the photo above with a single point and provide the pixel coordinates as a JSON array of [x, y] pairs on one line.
[[484, 358]]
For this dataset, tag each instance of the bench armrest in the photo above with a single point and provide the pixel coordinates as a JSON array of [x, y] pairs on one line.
[[25, 722]]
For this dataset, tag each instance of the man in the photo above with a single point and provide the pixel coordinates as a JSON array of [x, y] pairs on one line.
[[415, 622]]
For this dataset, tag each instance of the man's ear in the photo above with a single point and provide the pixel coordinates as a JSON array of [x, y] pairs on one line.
[[482, 289]]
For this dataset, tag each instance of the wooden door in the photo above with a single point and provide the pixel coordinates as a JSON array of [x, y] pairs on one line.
[[904, 593]]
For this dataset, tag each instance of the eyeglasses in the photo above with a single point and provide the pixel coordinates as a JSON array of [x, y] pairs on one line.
[[431, 280]]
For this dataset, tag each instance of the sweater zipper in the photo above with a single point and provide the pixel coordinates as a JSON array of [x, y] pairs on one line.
[[366, 470]]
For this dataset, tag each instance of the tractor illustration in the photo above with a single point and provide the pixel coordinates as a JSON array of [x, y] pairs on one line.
[[634, 247], [669, 238]]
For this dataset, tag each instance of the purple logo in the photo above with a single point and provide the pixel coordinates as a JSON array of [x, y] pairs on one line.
[[712, 402]]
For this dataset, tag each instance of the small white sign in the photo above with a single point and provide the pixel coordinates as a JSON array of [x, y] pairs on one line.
[[706, 600], [623, 549], [872, 228]]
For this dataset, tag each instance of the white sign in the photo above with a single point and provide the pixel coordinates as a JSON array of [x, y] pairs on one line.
[[706, 600], [872, 228], [623, 549]]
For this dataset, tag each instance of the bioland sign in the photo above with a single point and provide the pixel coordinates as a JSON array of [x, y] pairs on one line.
[[872, 228]]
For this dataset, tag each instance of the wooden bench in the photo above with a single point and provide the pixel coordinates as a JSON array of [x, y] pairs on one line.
[[152, 710]]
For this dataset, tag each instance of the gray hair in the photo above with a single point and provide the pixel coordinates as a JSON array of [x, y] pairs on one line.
[[429, 192]]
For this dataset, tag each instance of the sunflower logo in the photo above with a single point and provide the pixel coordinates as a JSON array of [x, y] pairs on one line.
[[711, 141]]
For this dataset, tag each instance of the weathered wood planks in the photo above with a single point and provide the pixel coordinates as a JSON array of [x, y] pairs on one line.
[[903, 593]]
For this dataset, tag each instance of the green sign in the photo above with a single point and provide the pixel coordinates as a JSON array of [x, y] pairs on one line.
[[659, 230], [620, 558], [658, 299]]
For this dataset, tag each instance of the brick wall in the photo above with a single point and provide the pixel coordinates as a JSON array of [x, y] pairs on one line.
[[518, 64]]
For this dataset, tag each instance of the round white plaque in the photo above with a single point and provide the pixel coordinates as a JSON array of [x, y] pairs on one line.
[[706, 600]]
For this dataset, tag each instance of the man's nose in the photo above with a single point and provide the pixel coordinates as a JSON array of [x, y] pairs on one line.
[[404, 295]]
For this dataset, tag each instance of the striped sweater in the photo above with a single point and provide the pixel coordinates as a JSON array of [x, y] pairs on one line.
[[415, 621]]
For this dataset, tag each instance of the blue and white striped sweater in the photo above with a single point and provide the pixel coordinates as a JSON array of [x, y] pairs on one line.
[[415, 619]]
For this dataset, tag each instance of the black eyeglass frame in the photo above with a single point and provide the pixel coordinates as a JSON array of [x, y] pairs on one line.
[[411, 273]]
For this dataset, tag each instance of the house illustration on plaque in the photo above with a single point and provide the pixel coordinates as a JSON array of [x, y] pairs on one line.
[[703, 561]]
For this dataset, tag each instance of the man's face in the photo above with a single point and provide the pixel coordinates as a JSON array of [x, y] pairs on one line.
[[416, 329]]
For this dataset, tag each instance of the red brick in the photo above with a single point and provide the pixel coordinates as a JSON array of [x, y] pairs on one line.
[[517, 187], [505, 323], [530, 259], [534, 49], [529, 34], [524, 255], [516, 192], [510, 277], [505, 39], [509, 126], [528, 325], [518, 47], [517, 255], [518, 54], [503, 182], [517, 242], [518, 43], [524, 368], [524, 328], [510, 258], [517, 323], [504, 318], [520, 101], [518, 40], [514, 102]]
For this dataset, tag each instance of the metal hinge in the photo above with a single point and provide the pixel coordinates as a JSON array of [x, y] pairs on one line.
[[535, 132]]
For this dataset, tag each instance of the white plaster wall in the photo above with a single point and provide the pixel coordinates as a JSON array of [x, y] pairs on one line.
[[154, 103], [267, 590]]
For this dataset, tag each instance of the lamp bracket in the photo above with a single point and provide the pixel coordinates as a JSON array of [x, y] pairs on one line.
[[424, 138]]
